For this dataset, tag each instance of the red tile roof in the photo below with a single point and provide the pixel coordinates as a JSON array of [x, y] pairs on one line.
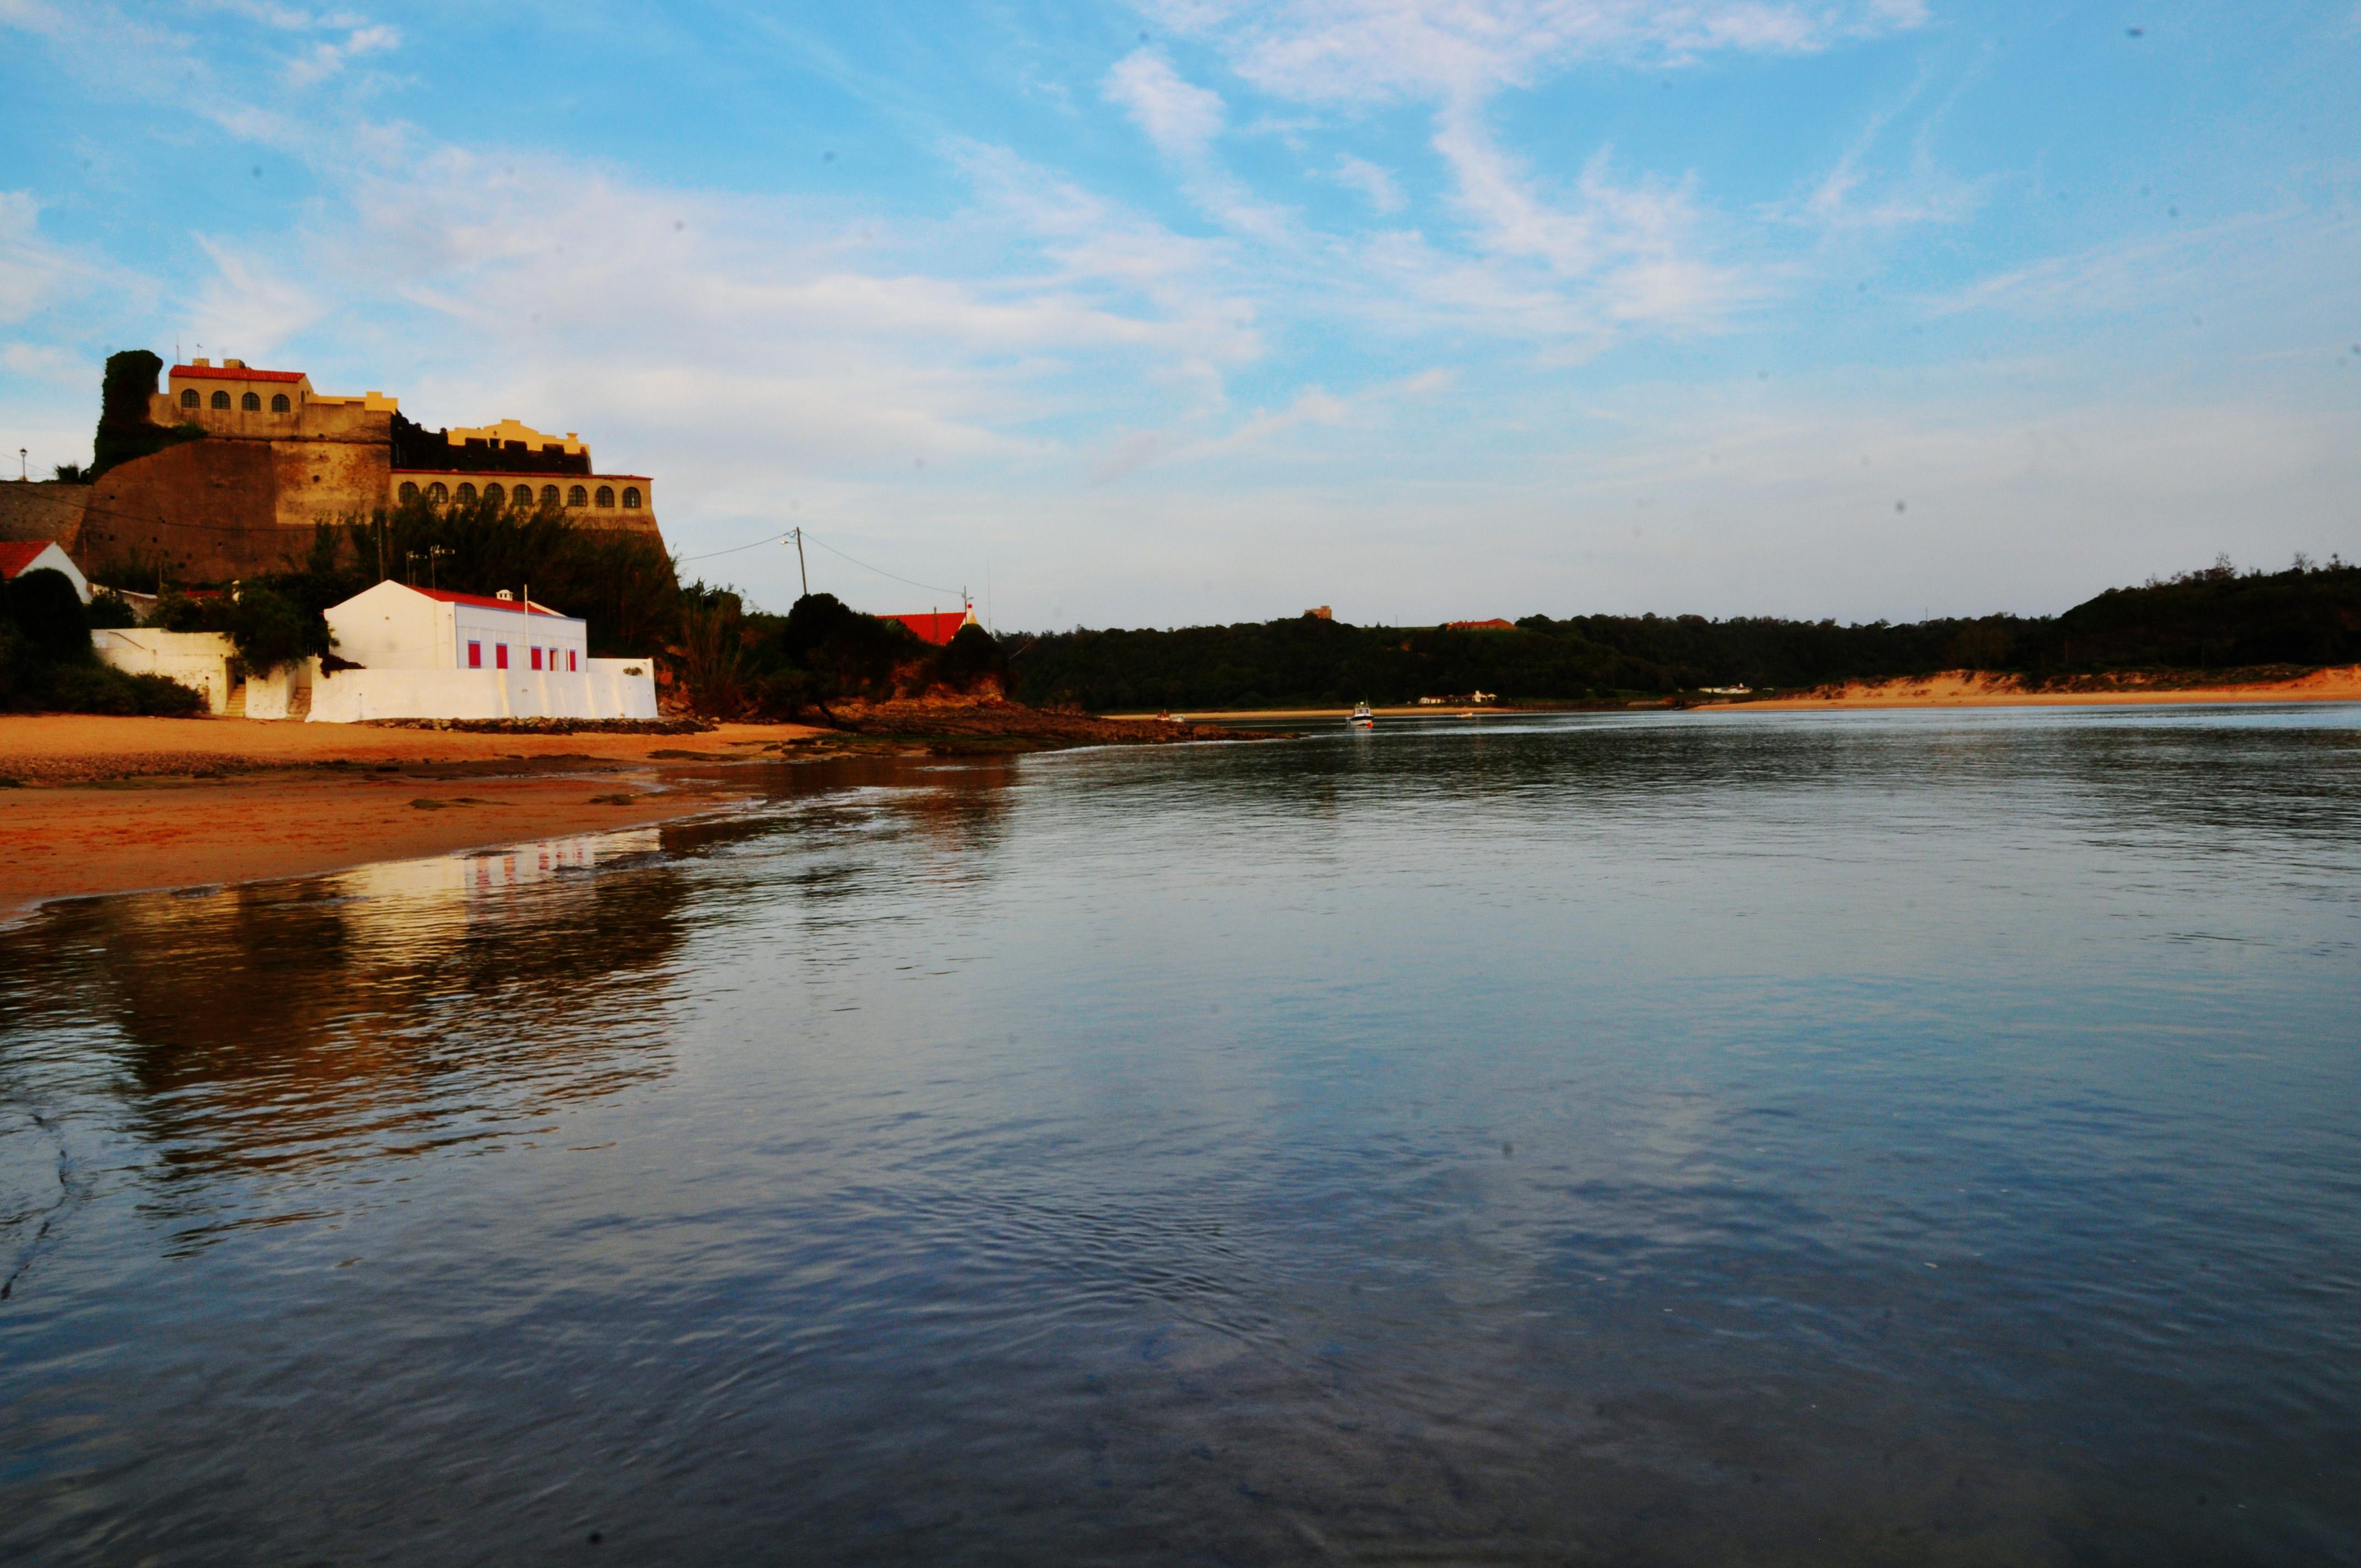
[[231, 373], [486, 602], [936, 626], [16, 555]]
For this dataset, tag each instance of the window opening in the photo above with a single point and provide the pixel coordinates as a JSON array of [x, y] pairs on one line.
[[221, 399], [250, 404], [278, 403], [631, 496], [474, 655], [189, 398], [501, 654]]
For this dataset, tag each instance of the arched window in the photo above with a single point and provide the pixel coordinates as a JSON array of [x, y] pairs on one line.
[[252, 404], [549, 495], [631, 496], [606, 495], [278, 403], [495, 495], [409, 491], [577, 496], [221, 399], [436, 493], [467, 492], [189, 398]]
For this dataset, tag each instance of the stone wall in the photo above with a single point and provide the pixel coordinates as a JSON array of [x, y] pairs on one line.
[[204, 511], [45, 509]]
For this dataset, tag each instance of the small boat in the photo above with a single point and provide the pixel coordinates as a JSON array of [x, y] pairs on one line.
[[1363, 718]]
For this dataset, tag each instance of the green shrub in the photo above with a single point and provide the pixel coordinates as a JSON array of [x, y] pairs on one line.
[[97, 688], [49, 616]]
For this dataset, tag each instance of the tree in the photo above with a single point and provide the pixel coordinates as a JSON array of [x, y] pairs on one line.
[[125, 430]]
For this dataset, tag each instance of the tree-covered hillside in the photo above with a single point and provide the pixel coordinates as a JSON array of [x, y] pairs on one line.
[[2211, 619]]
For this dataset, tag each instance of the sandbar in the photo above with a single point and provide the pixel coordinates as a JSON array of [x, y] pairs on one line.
[[108, 805]]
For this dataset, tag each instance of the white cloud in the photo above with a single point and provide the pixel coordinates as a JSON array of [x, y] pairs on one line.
[[1377, 184], [1180, 119], [1367, 49], [326, 59], [38, 273]]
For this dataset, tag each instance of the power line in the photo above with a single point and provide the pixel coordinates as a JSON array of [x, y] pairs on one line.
[[734, 549], [865, 567], [811, 537]]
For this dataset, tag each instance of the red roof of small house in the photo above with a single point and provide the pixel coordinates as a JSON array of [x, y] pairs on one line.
[[16, 555], [232, 373], [935, 626], [1495, 624], [520, 607]]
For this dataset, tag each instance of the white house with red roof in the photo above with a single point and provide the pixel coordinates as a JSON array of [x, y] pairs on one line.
[[436, 653], [19, 557]]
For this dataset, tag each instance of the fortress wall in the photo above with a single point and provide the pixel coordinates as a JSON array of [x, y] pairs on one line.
[[45, 509], [327, 482], [206, 511]]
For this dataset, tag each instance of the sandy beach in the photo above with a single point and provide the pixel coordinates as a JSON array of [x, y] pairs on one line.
[[1967, 688], [1958, 688], [107, 804]]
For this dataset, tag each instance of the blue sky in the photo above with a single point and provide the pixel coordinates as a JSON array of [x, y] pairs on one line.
[[1198, 310]]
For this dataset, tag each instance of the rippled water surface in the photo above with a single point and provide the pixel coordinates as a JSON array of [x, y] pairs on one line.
[[1666, 1139]]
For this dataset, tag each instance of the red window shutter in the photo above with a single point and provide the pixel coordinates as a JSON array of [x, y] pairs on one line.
[[500, 656], [570, 664], [474, 655]]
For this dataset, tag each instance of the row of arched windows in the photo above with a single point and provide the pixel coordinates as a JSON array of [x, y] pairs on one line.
[[577, 496], [251, 402]]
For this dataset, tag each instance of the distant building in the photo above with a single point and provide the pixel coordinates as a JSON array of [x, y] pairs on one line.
[[1320, 612], [436, 653], [1495, 624], [20, 556], [937, 626], [280, 458]]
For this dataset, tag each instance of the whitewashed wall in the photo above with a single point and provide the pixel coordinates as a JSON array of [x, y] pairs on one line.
[[197, 659], [607, 688]]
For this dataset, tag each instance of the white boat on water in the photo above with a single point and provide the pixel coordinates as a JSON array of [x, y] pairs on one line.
[[1363, 718]]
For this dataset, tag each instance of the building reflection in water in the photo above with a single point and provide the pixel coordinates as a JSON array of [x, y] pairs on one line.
[[263, 1034]]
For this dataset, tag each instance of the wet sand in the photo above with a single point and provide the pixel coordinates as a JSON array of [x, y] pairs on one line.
[[116, 805]]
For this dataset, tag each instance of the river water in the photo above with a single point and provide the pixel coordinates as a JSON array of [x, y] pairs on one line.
[[1665, 1138]]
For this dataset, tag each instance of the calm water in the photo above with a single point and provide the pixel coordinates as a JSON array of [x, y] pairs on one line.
[[1664, 1139]]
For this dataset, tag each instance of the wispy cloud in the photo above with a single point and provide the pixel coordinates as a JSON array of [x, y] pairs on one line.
[[1178, 116], [1379, 185], [1374, 49], [327, 58]]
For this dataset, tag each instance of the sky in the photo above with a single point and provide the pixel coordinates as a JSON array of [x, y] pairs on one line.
[[1194, 310]]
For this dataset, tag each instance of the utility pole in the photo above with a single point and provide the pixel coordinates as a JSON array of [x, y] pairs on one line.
[[800, 570], [434, 554], [22, 472]]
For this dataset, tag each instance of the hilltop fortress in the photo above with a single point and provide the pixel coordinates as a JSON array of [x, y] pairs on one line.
[[230, 469]]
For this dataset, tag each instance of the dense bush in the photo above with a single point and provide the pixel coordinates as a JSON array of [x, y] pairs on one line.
[[47, 663]]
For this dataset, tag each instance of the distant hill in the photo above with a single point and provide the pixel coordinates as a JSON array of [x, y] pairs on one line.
[[2213, 620]]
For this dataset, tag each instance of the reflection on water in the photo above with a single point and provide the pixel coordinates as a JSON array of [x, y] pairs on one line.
[[1864, 1138]]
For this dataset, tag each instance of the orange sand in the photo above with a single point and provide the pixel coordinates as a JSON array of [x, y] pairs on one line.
[[1968, 688], [114, 804]]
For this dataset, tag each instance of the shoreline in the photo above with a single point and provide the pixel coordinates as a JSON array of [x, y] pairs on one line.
[[1953, 689], [109, 805], [97, 804]]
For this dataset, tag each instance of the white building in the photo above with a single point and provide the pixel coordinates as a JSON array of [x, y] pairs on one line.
[[20, 556], [433, 654], [196, 658]]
